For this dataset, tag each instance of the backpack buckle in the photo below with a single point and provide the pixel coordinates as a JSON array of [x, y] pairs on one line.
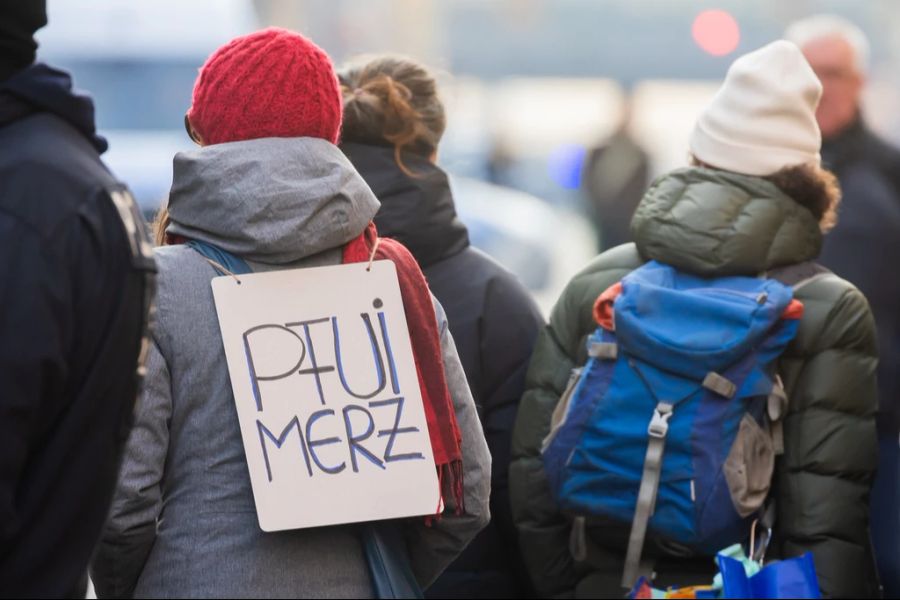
[[659, 424], [719, 385], [603, 350]]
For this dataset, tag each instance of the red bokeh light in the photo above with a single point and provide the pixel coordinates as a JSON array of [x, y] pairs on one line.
[[716, 32]]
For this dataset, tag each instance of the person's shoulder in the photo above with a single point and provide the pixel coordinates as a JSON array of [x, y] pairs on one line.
[[183, 293], [835, 314], [573, 312], [47, 144], [482, 268], [180, 272], [177, 262], [882, 148], [50, 172], [473, 284], [884, 155], [825, 287], [603, 271], [500, 286]]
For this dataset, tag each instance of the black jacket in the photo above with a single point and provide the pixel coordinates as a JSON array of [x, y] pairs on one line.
[[864, 248], [75, 291], [494, 323]]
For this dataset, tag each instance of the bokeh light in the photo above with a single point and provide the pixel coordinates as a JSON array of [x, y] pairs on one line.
[[566, 164], [716, 32]]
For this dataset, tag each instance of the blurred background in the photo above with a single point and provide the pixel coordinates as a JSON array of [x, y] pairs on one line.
[[555, 107]]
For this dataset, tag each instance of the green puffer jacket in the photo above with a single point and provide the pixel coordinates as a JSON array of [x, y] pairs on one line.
[[715, 223]]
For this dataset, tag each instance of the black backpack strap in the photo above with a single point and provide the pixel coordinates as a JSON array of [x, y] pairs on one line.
[[797, 275]]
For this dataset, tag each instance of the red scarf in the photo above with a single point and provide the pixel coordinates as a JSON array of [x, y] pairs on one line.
[[426, 345]]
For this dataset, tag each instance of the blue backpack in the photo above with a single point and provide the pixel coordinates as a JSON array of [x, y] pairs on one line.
[[673, 424]]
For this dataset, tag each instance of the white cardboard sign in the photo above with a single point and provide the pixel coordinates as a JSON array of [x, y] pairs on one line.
[[327, 395]]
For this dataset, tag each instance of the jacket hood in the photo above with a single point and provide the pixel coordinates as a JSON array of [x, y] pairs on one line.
[[270, 200], [42, 88], [714, 223], [417, 211]]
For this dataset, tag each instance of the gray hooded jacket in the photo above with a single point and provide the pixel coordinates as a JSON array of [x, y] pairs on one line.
[[183, 522]]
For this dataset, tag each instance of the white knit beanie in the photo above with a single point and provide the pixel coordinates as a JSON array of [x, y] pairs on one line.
[[763, 118]]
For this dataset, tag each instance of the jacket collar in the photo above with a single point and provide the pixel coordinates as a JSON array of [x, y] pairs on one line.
[[416, 210], [42, 88]]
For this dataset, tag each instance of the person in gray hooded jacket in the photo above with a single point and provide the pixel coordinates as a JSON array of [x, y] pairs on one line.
[[183, 522]]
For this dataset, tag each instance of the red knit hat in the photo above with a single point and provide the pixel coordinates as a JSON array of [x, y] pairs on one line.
[[271, 83]]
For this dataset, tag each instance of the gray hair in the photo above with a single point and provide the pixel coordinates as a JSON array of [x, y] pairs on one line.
[[818, 27]]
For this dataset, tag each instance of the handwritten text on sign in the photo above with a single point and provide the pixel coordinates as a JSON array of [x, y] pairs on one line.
[[327, 395]]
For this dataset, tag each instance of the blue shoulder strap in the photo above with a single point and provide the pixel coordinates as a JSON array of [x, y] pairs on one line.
[[223, 258]]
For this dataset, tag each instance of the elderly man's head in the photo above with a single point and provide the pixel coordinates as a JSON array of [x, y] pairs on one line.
[[838, 52]]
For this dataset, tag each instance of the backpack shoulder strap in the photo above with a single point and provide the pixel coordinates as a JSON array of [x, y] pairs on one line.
[[222, 261], [798, 275], [646, 500]]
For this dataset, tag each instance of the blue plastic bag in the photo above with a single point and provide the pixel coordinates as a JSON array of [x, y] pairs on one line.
[[791, 578]]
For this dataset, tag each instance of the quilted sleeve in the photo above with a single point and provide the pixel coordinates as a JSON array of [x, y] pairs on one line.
[[825, 475]]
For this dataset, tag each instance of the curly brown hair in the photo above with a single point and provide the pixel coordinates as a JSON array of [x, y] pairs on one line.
[[812, 187]]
